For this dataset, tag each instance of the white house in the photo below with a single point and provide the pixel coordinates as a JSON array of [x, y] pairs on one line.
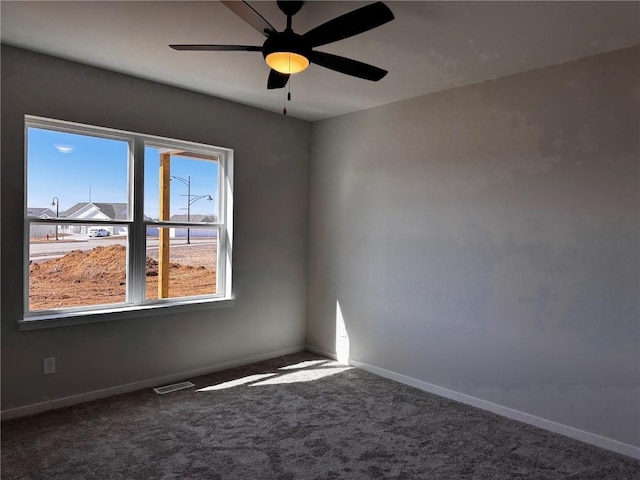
[[41, 230], [193, 232], [92, 211]]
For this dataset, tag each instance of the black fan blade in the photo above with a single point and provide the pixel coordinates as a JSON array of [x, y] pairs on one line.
[[350, 24], [217, 48], [347, 66], [250, 15], [277, 80]]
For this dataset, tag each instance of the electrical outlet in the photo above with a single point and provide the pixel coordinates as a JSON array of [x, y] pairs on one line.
[[49, 365]]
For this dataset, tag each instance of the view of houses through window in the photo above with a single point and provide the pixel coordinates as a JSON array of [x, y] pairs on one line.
[[84, 225]]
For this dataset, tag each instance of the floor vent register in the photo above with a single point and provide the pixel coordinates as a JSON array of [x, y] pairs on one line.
[[173, 388]]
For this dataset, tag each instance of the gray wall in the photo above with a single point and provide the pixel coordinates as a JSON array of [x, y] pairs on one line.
[[271, 226], [485, 240]]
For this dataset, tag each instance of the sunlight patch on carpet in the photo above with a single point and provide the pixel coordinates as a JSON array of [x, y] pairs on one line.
[[333, 364], [302, 376], [308, 363], [238, 382]]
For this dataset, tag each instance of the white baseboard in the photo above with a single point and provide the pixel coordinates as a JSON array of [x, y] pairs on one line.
[[132, 387], [591, 438]]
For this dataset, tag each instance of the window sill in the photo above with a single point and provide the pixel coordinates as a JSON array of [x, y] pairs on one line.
[[120, 313]]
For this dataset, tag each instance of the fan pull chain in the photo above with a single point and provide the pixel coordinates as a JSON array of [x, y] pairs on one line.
[[284, 105], [290, 80], [287, 92], [288, 87]]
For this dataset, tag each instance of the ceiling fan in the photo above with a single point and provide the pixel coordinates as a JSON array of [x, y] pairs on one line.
[[288, 52]]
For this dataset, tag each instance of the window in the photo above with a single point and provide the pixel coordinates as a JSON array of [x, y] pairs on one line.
[[120, 221]]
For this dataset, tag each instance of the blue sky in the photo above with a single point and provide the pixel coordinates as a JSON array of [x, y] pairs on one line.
[[69, 166]]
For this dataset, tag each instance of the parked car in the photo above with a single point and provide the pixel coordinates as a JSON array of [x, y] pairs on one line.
[[98, 232]]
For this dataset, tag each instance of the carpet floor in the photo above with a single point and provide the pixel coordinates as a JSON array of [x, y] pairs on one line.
[[295, 417]]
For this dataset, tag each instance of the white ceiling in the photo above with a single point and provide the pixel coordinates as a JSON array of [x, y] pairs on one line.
[[430, 46]]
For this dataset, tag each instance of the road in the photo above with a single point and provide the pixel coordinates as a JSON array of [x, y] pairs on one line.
[[54, 249]]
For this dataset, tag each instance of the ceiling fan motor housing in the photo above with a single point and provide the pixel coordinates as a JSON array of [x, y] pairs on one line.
[[286, 42], [289, 8]]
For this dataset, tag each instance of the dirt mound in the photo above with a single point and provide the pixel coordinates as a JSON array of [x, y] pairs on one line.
[[78, 266], [98, 277]]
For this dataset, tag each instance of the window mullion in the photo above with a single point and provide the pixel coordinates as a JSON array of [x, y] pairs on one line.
[[137, 248]]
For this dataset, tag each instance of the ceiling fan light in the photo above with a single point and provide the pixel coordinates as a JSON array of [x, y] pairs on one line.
[[287, 62]]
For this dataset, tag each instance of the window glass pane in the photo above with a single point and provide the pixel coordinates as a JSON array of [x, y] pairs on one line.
[[193, 194], [190, 262], [76, 269], [76, 176]]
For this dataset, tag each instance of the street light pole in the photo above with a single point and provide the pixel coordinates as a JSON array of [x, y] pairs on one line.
[[187, 182], [188, 208], [56, 202], [190, 200]]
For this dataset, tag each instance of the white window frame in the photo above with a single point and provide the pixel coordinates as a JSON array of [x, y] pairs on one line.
[[136, 305]]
